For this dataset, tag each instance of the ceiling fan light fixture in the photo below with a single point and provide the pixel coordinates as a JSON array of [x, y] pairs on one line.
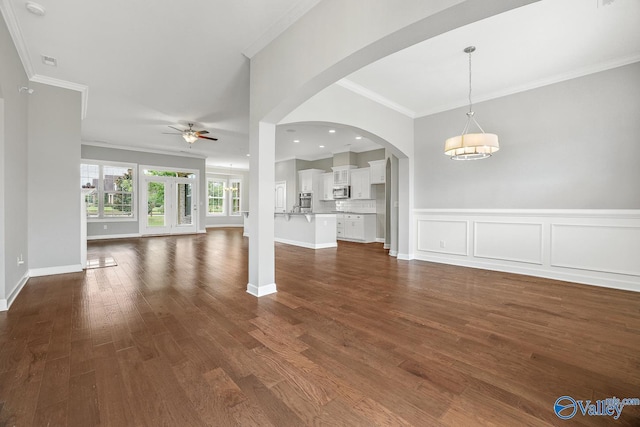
[[471, 146], [190, 136]]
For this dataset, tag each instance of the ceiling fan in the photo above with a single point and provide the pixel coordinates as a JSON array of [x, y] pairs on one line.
[[191, 135]]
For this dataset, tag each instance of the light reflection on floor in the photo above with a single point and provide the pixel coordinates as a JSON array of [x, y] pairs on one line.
[[101, 262]]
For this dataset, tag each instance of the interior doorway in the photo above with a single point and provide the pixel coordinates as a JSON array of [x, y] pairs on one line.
[[169, 201]]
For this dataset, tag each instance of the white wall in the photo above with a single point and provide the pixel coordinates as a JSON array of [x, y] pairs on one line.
[[53, 180], [13, 170]]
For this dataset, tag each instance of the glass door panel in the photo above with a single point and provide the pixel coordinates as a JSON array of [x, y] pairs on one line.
[[156, 220], [184, 214]]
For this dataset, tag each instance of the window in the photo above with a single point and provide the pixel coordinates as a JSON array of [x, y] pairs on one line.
[[224, 196], [215, 195], [235, 197], [113, 190]]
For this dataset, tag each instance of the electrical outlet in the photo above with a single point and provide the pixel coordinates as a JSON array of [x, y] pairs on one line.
[[443, 244], [20, 260], [105, 226]]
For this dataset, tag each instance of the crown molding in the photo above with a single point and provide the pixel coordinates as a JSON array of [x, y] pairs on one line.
[[295, 13], [16, 34], [558, 78], [376, 97], [143, 149], [83, 89], [21, 47]]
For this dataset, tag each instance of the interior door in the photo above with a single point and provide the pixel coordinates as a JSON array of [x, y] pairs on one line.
[[281, 196]]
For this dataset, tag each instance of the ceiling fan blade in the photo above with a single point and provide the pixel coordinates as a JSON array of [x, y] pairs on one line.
[[202, 132], [206, 137], [179, 130]]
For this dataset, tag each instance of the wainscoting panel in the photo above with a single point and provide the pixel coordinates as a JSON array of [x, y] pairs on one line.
[[610, 249], [521, 242], [445, 237], [596, 247]]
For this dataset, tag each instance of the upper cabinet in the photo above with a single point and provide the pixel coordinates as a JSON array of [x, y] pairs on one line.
[[309, 180], [327, 186], [360, 184], [341, 174], [378, 171]]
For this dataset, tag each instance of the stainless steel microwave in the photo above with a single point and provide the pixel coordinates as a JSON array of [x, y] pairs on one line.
[[341, 192]]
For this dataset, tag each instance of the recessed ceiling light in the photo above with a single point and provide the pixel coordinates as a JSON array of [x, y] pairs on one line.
[[358, 137], [321, 146], [332, 131], [296, 140], [35, 8], [248, 155], [49, 60]]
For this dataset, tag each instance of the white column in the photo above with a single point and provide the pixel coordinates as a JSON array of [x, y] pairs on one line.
[[405, 209], [262, 183]]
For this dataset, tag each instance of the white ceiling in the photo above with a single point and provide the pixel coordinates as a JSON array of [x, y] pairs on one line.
[[528, 47], [150, 65]]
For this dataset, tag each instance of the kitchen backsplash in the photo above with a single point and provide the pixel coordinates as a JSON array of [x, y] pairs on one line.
[[361, 206]]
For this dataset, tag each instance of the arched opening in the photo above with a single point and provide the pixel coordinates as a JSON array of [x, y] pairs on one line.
[[325, 146]]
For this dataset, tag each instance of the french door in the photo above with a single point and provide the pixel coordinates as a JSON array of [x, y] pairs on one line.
[[171, 205]]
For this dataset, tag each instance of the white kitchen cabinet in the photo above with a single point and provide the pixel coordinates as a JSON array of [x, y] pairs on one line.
[[308, 179], [327, 186], [360, 184], [341, 175], [378, 171], [340, 226], [356, 227]]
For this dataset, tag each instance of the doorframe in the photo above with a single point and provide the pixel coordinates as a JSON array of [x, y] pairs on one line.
[[195, 195]]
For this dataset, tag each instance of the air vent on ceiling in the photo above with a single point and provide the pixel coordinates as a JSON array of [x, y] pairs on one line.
[[49, 60], [35, 8]]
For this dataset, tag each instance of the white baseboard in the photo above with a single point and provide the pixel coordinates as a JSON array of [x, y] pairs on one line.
[[393, 253], [224, 225], [567, 276], [307, 245], [380, 239], [405, 257], [5, 304], [114, 236], [49, 271], [262, 290], [386, 246]]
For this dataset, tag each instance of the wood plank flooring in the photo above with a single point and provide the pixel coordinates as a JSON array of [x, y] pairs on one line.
[[169, 337]]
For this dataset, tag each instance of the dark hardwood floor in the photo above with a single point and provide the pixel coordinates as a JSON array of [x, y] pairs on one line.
[[169, 337]]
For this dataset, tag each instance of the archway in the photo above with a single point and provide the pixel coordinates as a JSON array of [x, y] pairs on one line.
[[284, 75]]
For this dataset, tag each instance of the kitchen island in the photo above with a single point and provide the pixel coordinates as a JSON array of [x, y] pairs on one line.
[[308, 230]]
